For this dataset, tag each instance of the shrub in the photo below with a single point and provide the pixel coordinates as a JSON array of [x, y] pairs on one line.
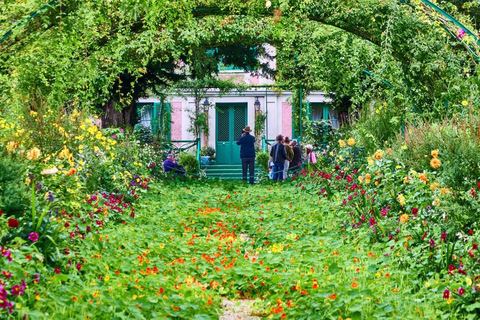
[[320, 133], [188, 161], [143, 133], [378, 124], [262, 160], [458, 150], [13, 192]]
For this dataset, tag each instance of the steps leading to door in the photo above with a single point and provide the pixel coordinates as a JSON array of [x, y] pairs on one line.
[[225, 171]]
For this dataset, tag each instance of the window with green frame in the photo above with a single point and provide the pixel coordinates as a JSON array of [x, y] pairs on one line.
[[322, 111], [157, 116]]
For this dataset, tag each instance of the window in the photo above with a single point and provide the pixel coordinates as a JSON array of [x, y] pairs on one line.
[[322, 111]]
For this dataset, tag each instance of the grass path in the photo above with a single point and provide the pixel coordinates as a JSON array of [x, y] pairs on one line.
[[192, 250]]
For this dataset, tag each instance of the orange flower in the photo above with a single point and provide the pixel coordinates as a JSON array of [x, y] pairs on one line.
[[33, 153], [404, 218], [283, 316], [209, 302], [434, 153], [354, 284], [378, 155], [71, 172], [395, 290], [435, 163], [333, 296], [75, 299], [423, 177]]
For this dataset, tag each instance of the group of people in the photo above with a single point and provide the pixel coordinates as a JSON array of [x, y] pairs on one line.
[[284, 155]]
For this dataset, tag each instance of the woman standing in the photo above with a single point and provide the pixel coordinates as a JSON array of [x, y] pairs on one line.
[[288, 148]]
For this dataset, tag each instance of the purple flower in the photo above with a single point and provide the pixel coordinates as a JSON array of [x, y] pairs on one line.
[[33, 236], [461, 291], [6, 253], [432, 242], [4, 304], [16, 290], [57, 270], [114, 137], [122, 131]]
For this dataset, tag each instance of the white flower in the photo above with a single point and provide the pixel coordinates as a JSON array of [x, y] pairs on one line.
[[52, 170], [268, 4]]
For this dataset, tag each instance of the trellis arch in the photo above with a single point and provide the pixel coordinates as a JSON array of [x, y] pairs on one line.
[[373, 21]]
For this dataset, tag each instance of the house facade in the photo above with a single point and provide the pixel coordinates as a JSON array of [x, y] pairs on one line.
[[229, 113]]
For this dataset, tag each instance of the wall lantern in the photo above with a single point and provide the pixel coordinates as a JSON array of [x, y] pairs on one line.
[[257, 105]]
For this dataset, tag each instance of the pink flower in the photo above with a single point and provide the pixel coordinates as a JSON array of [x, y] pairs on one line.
[[33, 236], [461, 33], [461, 291]]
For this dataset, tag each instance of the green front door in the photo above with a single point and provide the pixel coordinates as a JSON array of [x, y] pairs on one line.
[[231, 119]]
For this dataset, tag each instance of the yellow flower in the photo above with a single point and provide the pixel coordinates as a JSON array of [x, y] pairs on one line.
[[436, 202], [360, 179], [404, 147], [351, 142], [107, 278], [341, 143], [370, 161], [435, 163], [33, 153], [401, 199], [389, 150], [464, 103], [434, 153], [277, 248], [95, 293]]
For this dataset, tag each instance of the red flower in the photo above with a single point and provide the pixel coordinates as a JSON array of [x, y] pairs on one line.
[[13, 223], [446, 294]]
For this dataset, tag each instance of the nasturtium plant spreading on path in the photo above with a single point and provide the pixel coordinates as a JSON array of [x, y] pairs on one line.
[[191, 244]]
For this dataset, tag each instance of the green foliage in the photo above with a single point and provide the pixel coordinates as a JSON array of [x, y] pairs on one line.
[[13, 193], [262, 160], [320, 133], [379, 123], [188, 161], [143, 133], [207, 151], [457, 142]]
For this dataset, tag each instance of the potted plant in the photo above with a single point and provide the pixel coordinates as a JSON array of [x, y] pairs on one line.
[[207, 155]]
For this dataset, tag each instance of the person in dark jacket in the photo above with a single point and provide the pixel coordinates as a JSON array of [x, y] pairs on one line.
[[279, 155], [247, 153], [297, 154]]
